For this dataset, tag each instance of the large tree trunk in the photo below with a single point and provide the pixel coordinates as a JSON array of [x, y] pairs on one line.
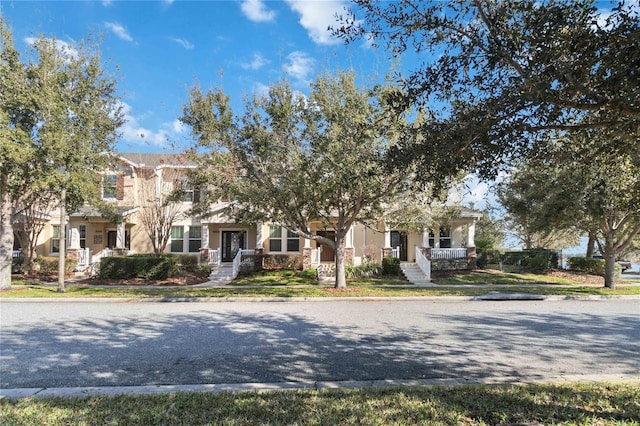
[[591, 244], [6, 238], [610, 277], [341, 281]]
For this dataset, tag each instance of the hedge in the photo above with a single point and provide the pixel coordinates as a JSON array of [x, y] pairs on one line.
[[140, 266], [391, 266]]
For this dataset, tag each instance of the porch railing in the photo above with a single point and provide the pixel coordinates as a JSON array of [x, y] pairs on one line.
[[315, 256], [242, 257], [214, 257], [395, 252], [448, 253], [96, 258], [84, 258], [423, 263], [16, 253]]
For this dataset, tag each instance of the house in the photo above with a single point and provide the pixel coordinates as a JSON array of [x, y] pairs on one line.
[[141, 180]]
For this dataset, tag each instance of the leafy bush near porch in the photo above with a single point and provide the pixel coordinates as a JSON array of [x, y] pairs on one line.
[[187, 262], [49, 265], [391, 266], [282, 261], [139, 266], [365, 270]]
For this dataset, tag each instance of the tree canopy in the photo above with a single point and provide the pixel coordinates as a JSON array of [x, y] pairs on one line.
[[583, 185], [290, 160], [59, 116], [495, 75]]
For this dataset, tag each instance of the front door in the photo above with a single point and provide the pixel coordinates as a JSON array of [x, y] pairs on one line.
[[327, 253], [111, 239], [399, 239], [232, 241]]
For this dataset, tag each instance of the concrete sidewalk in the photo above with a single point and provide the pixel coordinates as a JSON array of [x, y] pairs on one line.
[[79, 392]]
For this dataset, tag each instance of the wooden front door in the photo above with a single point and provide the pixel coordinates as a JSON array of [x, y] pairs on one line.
[[399, 239], [327, 254], [232, 241]]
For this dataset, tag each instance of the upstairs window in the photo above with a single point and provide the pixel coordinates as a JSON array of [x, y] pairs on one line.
[[109, 187], [188, 193]]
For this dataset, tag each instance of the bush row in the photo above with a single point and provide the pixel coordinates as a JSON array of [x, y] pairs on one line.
[[590, 266], [152, 267]]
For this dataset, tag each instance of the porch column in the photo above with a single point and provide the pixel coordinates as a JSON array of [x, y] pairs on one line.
[[74, 237], [387, 235], [205, 236], [425, 237], [471, 235], [259, 242], [120, 232], [349, 239]]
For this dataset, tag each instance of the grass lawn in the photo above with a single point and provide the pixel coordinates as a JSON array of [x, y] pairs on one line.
[[567, 404], [290, 284]]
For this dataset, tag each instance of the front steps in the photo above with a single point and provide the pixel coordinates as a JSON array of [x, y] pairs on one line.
[[414, 274], [221, 275]]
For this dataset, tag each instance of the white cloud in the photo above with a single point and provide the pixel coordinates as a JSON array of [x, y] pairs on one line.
[[260, 89], [257, 62], [299, 67], [107, 3], [134, 132], [317, 16], [178, 126], [168, 2], [184, 43], [65, 49], [256, 11], [118, 30]]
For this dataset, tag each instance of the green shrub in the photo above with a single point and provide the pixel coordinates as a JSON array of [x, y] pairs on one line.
[[309, 273], [364, 270], [148, 267], [537, 262], [17, 264], [49, 264], [391, 266], [187, 262], [587, 265], [282, 261]]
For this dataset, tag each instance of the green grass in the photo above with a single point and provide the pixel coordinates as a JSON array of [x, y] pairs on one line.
[[567, 404], [355, 290], [471, 278]]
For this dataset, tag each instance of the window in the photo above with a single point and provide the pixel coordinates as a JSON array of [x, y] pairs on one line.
[[293, 241], [187, 190], [195, 239], [275, 238], [109, 187], [177, 239], [82, 230], [55, 238], [445, 238], [432, 239]]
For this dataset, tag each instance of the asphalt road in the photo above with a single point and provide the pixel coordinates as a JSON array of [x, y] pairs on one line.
[[68, 344]]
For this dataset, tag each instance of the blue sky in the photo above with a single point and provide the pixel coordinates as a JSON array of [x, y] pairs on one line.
[[161, 48]]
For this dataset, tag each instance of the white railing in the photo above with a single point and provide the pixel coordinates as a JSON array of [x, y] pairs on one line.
[[448, 253], [315, 256], [242, 257], [423, 263], [395, 252], [84, 258], [214, 257], [16, 253]]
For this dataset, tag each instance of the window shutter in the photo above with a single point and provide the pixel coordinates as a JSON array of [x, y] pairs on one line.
[[120, 187]]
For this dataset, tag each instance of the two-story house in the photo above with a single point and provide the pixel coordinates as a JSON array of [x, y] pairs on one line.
[[142, 181]]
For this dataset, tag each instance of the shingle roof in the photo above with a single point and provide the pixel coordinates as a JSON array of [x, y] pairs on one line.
[[155, 160]]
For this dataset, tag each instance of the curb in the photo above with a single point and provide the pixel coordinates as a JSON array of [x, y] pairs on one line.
[[489, 297], [79, 392]]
